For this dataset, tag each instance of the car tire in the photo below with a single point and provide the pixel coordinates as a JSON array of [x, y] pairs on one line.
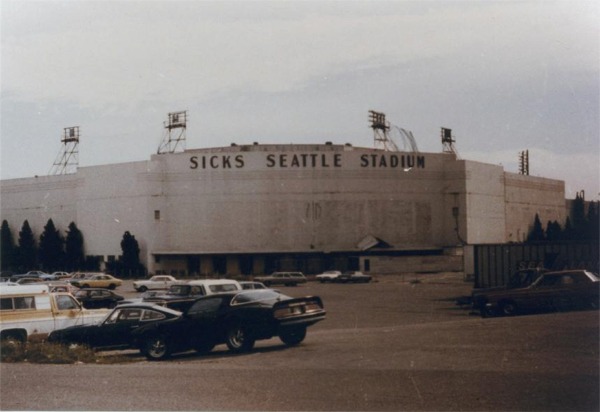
[[238, 339], [156, 348], [142, 289], [112, 286], [14, 340], [508, 308], [293, 336]]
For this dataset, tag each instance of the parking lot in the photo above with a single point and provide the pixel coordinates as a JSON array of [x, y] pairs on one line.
[[399, 343]]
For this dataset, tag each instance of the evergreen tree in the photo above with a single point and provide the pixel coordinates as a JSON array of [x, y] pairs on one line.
[[27, 251], [51, 251], [568, 233], [74, 251], [130, 260], [579, 220], [553, 231], [537, 232], [593, 223], [8, 256]]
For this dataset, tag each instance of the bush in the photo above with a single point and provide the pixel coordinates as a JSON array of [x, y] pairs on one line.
[[44, 352]]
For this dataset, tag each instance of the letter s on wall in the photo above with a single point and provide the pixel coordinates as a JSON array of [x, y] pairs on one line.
[[194, 162]]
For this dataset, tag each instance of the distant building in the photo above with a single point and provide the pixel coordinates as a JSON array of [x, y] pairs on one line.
[[250, 209]]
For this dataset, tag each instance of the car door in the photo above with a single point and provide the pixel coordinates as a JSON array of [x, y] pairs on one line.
[[67, 311], [96, 299], [117, 329], [163, 283], [542, 294], [203, 318]]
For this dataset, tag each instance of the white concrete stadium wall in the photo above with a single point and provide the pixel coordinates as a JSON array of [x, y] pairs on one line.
[[38, 199], [286, 198], [486, 219], [528, 195], [257, 208], [112, 200]]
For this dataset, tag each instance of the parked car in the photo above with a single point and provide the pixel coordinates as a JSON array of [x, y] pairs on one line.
[[328, 276], [282, 278], [97, 280], [97, 298], [353, 276], [61, 286], [114, 331], [249, 285], [77, 276], [35, 310], [180, 296], [30, 274], [55, 276], [155, 282], [25, 280], [237, 319], [563, 290], [519, 279]]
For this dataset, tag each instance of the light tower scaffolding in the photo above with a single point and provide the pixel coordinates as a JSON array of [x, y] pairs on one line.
[[175, 133], [67, 159], [381, 127], [448, 141]]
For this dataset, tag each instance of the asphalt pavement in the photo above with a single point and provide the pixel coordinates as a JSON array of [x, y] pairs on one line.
[[399, 343]]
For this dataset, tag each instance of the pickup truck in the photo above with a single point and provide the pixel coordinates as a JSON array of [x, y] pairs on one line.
[[31, 312], [181, 296]]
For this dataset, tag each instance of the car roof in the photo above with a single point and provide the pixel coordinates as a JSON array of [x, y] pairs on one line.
[[213, 282], [148, 306], [91, 289], [570, 272], [232, 294], [23, 289]]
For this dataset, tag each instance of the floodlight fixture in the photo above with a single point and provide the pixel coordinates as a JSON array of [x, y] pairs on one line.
[[378, 121]]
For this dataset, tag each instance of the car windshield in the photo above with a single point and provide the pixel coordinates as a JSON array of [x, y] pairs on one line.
[[179, 290], [223, 288], [256, 296]]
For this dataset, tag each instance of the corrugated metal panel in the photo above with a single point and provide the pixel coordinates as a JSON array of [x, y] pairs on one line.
[[494, 264]]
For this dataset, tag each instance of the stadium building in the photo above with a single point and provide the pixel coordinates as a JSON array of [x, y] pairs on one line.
[[253, 209]]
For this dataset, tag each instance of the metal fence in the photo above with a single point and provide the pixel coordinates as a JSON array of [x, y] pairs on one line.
[[494, 264]]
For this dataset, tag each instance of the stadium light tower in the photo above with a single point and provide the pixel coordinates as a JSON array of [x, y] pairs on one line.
[[448, 141], [381, 128], [524, 162], [175, 133], [67, 159]]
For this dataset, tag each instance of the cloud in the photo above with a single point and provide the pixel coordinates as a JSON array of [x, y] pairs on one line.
[[119, 52], [503, 75]]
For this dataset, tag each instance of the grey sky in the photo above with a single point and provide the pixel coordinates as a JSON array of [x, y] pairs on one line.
[[505, 76]]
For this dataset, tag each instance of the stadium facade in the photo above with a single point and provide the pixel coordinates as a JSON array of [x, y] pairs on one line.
[[250, 209]]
